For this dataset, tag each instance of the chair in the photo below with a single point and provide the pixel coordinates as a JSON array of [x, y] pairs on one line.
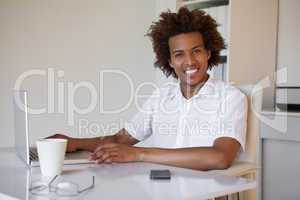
[[248, 163]]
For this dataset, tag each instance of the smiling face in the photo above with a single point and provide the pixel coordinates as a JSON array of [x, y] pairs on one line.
[[189, 59]]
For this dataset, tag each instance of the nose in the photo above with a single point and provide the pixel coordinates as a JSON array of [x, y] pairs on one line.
[[190, 59]]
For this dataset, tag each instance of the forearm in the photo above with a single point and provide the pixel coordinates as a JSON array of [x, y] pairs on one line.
[[199, 158]]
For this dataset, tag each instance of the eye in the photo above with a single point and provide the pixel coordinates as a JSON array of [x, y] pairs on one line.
[[178, 55], [197, 51]]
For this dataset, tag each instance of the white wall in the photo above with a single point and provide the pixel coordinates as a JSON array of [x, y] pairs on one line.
[[81, 38]]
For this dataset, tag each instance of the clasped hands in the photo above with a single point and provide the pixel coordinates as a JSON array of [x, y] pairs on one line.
[[103, 151]]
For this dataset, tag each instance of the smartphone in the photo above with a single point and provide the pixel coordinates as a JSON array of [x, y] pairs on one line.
[[160, 174]]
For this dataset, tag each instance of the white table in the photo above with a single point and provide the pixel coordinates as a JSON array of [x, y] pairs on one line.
[[122, 181]]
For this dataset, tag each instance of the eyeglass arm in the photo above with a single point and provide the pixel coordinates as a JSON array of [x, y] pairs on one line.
[[89, 187]]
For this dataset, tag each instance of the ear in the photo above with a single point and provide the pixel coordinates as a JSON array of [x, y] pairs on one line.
[[171, 64], [208, 54]]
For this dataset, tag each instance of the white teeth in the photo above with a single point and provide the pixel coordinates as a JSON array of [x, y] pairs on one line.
[[190, 71]]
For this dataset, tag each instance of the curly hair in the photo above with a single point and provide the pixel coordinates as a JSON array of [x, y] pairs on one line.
[[184, 21]]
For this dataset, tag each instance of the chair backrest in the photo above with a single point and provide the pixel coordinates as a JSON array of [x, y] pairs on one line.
[[254, 96]]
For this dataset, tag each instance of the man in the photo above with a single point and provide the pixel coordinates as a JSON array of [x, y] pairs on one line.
[[200, 123]]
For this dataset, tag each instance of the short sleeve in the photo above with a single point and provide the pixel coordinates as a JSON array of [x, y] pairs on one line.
[[140, 125], [233, 116]]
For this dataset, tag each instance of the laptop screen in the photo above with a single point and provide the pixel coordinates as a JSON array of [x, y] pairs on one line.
[[21, 124]]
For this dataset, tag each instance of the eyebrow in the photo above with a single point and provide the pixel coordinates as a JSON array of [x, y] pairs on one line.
[[200, 45], [195, 47]]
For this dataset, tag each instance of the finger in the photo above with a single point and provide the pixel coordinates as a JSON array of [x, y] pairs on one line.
[[103, 150], [92, 156], [99, 151], [106, 155], [98, 148], [96, 155], [103, 147], [116, 159], [108, 161], [112, 156], [103, 158], [99, 154], [98, 161]]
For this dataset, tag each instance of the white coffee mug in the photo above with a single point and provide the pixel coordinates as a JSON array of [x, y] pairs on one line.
[[51, 154]]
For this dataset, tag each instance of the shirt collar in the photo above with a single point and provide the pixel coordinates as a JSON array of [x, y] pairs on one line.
[[206, 89]]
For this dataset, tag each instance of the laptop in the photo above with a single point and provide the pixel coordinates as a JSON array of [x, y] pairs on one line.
[[22, 134]]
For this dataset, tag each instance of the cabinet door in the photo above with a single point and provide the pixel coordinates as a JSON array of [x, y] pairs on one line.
[[289, 42], [281, 170]]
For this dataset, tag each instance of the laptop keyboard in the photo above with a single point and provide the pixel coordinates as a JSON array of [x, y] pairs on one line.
[[33, 154]]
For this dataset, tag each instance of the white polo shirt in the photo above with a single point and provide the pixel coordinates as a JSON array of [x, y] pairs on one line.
[[217, 110]]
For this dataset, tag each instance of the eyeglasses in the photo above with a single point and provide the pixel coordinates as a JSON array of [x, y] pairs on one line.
[[64, 188]]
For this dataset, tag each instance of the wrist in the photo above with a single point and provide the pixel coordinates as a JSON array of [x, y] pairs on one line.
[[108, 139], [75, 143], [141, 154]]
